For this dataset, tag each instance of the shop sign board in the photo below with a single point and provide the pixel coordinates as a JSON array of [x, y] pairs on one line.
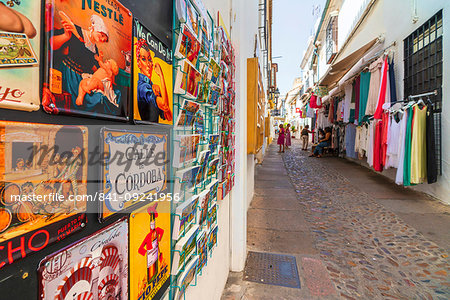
[[150, 253], [152, 78], [95, 267], [135, 169], [43, 186], [88, 63], [19, 55]]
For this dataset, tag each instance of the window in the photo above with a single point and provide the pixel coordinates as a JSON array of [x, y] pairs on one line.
[[423, 69], [332, 38]]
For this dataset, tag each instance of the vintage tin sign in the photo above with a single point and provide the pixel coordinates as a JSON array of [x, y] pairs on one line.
[[135, 169], [43, 186], [150, 250], [94, 268], [19, 54], [152, 77], [88, 67]]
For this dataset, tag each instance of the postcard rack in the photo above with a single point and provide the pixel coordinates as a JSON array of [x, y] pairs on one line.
[[203, 139]]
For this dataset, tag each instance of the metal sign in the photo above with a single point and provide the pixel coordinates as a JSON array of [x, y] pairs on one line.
[[150, 253], [135, 170], [19, 53], [88, 68], [43, 186], [152, 77], [94, 268]]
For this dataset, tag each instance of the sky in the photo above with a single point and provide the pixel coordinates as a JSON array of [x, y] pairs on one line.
[[293, 24]]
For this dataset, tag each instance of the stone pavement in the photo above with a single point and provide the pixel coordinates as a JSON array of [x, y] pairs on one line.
[[354, 234]]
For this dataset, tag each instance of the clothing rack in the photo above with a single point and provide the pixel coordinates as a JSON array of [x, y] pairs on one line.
[[410, 98]]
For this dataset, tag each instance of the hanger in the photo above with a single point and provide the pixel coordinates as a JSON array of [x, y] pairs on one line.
[[420, 103]]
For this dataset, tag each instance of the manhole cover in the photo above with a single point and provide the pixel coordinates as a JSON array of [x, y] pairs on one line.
[[269, 268]]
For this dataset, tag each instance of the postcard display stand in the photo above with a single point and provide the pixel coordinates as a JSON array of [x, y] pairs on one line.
[[203, 147]]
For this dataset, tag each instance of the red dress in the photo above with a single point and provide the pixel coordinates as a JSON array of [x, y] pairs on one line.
[[281, 137]]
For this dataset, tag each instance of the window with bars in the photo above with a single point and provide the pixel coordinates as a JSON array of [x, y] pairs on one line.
[[332, 39], [423, 70]]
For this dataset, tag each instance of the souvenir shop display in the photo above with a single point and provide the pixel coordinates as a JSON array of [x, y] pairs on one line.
[[202, 249], [95, 267], [369, 123], [43, 172], [87, 69], [185, 216], [186, 278], [134, 171], [152, 78], [185, 149], [188, 114], [212, 215], [19, 55], [184, 250], [150, 252], [185, 179]]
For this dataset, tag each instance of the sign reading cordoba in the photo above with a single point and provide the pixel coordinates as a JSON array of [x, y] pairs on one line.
[[134, 169]]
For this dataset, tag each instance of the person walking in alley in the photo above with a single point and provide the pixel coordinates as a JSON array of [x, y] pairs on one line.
[[281, 137], [305, 137], [288, 136], [325, 142]]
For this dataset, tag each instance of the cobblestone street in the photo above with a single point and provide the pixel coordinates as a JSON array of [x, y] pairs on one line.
[[354, 235]]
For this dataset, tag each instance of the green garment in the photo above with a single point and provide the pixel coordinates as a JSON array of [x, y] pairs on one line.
[[407, 158], [363, 95]]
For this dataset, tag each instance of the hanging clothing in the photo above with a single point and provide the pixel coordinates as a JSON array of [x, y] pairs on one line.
[[347, 102], [431, 147], [407, 158], [392, 87], [401, 148], [419, 146], [384, 138], [383, 89], [370, 143], [374, 89], [339, 112], [356, 92], [377, 152], [350, 140], [363, 95], [331, 111], [393, 140]]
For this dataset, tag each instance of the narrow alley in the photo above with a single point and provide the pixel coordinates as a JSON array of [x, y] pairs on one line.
[[353, 233]]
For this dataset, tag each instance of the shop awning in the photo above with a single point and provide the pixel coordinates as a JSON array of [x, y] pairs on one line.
[[341, 67]]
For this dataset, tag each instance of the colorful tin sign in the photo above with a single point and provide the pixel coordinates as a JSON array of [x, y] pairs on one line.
[[88, 67], [43, 186], [135, 169], [152, 77], [19, 54], [94, 268], [150, 250]]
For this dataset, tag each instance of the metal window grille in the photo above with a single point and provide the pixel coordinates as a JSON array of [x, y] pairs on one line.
[[423, 70], [331, 38]]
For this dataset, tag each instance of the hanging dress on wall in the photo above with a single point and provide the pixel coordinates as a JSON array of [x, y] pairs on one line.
[[419, 146], [374, 89], [401, 149], [363, 95], [407, 155]]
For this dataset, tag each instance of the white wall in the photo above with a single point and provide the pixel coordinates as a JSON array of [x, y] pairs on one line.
[[384, 18]]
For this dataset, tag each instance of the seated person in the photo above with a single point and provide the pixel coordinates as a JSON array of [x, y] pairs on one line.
[[323, 142]]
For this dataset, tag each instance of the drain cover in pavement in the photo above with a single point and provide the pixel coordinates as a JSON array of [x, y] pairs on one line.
[[272, 268]]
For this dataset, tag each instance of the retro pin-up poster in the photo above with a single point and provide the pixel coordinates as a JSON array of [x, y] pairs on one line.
[[95, 268], [43, 186], [135, 169], [153, 95], [88, 67], [150, 250], [19, 54]]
